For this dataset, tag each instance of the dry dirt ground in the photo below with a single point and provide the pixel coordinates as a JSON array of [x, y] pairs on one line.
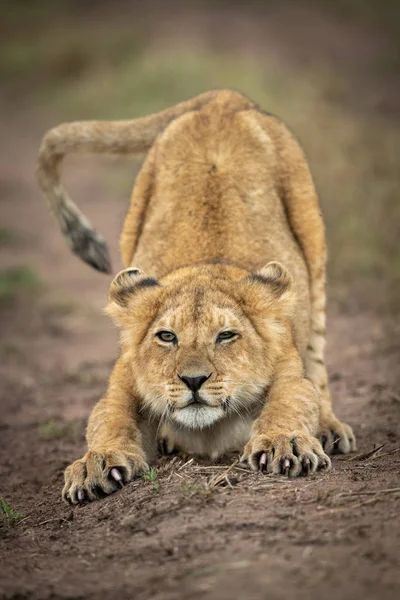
[[195, 531]]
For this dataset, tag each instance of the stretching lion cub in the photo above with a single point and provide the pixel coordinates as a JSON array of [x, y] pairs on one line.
[[221, 346]]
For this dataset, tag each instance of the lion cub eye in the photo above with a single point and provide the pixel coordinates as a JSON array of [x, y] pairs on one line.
[[167, 336], [226, 335]]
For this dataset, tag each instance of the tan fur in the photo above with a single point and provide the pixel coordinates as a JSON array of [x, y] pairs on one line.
[[224, 190]]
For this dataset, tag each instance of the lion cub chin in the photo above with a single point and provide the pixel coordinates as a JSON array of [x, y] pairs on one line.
[[198, 416]]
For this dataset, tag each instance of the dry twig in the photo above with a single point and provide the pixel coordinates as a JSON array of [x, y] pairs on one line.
[[386, 453], [186, 464], [216, 479], [365, 455]]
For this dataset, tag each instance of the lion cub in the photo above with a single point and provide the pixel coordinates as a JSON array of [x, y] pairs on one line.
[[222, 346]]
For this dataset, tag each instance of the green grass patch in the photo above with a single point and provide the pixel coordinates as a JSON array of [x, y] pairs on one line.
[[16, 280], [152, 475], [53, 430], [9, 516]]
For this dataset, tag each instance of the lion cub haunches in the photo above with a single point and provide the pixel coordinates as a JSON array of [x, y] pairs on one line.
[[208, 359]]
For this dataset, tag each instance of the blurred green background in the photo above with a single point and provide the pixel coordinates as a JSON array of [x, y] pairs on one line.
[[329, 68]]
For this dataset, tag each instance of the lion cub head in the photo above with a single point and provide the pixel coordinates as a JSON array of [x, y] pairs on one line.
[[202, 342]]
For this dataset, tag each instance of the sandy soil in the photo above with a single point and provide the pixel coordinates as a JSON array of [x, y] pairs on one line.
[[197, 531]]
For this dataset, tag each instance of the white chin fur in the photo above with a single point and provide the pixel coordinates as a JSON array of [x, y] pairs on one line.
[[198, 417]]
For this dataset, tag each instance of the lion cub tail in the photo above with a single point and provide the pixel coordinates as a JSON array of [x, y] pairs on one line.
[[105, 137]]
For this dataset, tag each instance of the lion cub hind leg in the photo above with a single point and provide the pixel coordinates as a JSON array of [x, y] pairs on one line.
[[335, 436]]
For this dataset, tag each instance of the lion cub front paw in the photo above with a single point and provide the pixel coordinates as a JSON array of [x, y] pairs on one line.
[[100, 473], [286, 454]]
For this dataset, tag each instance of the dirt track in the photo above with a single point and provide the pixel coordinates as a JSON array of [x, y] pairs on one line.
[[335, 534], [188, 534]]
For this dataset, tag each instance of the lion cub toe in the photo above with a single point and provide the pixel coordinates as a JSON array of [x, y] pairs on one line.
[[336, 437], [98, 474], [286, 454]]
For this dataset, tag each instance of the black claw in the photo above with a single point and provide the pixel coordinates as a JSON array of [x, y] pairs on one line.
[[162, 446], [335, 443], [306, 466], [295, 449], [336, 437], [323, 463], [98, 491]]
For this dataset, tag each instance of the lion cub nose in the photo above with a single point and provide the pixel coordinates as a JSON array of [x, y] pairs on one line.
[[194, 383]]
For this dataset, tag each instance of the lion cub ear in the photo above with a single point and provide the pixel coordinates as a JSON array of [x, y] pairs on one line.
[[125, 285], [276, 277], [277, 281]]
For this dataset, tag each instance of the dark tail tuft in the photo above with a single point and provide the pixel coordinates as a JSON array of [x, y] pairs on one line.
[[91, 248], [84, 240]]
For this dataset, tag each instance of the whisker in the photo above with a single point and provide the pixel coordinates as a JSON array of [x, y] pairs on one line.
[[236, 411], [163, 418], [238, 382]]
